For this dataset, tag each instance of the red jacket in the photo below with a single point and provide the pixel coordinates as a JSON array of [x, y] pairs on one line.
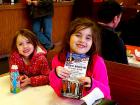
[[38, 69]]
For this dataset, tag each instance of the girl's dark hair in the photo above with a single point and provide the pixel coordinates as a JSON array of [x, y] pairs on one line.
[[108, 10], [26, 33], [75, 26]]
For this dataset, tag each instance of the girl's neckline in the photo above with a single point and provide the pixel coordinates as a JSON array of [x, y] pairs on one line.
[[26, 60]]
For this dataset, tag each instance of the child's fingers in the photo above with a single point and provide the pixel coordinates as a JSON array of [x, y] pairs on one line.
[[81, 80], [22, 85], [86, 81], [65, 74], [22, 77], [62, 72], [88, 85]]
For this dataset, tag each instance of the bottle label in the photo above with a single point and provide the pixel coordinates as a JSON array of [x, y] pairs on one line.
[[15, 82]]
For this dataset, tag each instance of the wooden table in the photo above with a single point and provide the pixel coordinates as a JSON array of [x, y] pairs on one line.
[[131, 56], [41, 95]]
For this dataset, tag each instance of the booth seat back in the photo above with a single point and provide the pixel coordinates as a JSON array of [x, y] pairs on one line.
[[124, 81]]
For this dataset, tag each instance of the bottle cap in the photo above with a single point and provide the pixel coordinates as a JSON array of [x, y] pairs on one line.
[[14, 67]]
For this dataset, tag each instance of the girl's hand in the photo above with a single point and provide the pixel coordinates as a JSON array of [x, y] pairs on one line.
[[21, 77], [86, 81], [62, 72], [24, 80]]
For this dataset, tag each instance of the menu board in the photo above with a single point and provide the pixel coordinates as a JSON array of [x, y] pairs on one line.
[[77, 65]]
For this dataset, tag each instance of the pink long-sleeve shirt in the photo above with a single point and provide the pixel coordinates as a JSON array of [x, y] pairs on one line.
[[98, 74]]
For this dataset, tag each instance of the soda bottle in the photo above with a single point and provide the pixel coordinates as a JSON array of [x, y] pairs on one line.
[[14, 79]]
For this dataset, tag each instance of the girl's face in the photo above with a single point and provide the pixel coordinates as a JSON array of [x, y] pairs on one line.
[[24, 46], [81, 42]]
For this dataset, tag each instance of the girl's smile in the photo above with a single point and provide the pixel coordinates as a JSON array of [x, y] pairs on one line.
[[80, 45], [26, 50]]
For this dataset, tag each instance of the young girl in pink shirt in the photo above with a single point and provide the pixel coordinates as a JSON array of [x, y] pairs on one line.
[[81, 38]]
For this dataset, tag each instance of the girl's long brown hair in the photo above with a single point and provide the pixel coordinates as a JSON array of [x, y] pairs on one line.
[[75, 26]]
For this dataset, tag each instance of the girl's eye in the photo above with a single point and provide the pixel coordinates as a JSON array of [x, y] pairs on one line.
[[78, 35], [28, 42], [20, 44], [89, 38]]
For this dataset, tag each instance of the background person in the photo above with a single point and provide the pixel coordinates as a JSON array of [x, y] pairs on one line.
[[112, 46], [41, 12]]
